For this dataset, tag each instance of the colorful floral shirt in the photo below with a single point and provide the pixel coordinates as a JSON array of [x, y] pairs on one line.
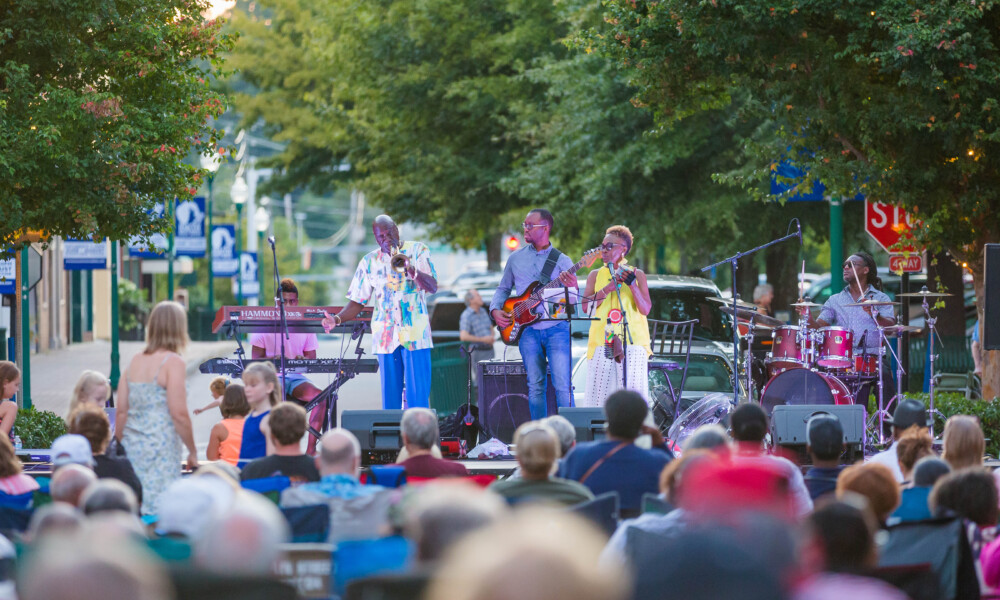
[[400, 317]]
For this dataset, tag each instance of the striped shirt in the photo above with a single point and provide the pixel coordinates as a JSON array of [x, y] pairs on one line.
[[836, 312]]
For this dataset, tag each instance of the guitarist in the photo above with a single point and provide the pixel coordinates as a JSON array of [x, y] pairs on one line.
[[604, 372], [543, 343]]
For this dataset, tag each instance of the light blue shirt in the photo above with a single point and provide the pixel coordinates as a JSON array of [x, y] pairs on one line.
[[524, 266], [836, 312]]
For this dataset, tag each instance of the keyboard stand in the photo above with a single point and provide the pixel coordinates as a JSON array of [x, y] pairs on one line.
[[329, 395]]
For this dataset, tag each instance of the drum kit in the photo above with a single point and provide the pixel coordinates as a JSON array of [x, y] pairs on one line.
[[809, 365]]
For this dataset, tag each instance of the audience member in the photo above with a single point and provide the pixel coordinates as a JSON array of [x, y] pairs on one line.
[[13, 481], [217, 387], [71, 448], [617, 464], [263, 391], [532, 555], [245, 540], [10, 379], [908, 413], [969, 493], [226, 437], [874, 482], [437, 515], [106, 495], [287, 427], [914, 444], [92, 389], [710, 437], [419, 429], [825, 445], [190, 505], [748, 425], [69, 482], [565, 431], [537, 453], [357, 511], [56, 518], [964, 443], [913, 500], [93, 424]]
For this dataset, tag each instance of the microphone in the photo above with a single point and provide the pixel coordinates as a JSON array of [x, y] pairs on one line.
[[270, 240], [798, 226]]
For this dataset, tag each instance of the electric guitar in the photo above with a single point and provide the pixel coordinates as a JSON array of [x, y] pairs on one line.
[[521, 309]]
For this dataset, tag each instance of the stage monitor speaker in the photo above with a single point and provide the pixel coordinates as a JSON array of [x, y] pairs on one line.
[[590, 422], [379, 433], [991, 303], [503, 398], [789, 426]]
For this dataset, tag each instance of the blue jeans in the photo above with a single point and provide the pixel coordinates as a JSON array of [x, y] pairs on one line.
[[536, 345], [415, 367]]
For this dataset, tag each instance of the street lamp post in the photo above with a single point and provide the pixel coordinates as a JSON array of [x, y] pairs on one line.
[[210, 164], [239, 194], [262, 220]]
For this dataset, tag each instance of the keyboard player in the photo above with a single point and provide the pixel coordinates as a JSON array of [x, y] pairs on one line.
[[297, 345]]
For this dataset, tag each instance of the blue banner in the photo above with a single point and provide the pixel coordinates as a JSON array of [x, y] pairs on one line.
[[8, 276], [248, 273], [85, 255], [224, 262], [158, 241], [189, 228]]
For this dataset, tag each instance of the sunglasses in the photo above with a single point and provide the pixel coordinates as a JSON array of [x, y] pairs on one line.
[[529, 226], [610, 246]]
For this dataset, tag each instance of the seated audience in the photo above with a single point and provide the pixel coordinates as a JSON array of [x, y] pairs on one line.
[[435, 516], [874, 482], [226, 437], [748, 424], [963, 444], [537, 453], [105, 495], [419, 429], [908, 413], [190, 505], [969, 493], [93, 424], [10, 379], [532, 555], [710, 437], [56, 518], [71, 448], [913, 500], [68, 483], [244, 540], [287, 427], [13, 481], [617, 464], [357, 511], [564, 431], [914, 444], [825, 444]]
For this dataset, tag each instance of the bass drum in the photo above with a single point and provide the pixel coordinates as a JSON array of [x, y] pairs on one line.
[[804, 386]]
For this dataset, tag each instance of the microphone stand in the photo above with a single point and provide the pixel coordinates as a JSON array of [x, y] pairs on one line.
[[283, 321], [627, 338], [733, 260]]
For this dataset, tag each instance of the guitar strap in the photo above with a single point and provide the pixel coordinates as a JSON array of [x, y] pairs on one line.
[[546, 275]]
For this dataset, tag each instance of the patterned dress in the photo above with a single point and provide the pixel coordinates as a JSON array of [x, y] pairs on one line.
[[151, 441]]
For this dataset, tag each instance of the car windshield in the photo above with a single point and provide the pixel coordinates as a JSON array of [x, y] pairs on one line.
[[683, 305]]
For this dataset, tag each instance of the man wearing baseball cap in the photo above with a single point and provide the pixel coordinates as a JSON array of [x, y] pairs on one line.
[[825, 444], [908, 413], [71, 448]]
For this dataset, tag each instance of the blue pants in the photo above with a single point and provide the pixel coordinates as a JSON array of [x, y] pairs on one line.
[[537, 345], [415, 366]]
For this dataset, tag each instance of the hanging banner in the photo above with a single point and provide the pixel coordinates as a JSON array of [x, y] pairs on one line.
[[189, 228], [85, 255], [8, 276], [248, 273], [158, 241], [224, 262]]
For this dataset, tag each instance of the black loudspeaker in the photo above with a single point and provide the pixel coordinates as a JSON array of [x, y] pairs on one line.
[[503, 398], [788, 426], [991, 303], [379, 434], [590, 422]]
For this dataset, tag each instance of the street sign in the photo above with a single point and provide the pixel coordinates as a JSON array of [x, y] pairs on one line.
[[189, 228], [8, 276], [84, 255], [34, 267], [906, 263], [886, 223], [224, 262]]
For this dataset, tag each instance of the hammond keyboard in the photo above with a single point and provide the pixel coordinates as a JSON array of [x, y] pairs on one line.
[[231, 366], [300, 319]]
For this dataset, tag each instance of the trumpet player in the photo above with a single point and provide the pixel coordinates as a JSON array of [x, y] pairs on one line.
[[398, 275]]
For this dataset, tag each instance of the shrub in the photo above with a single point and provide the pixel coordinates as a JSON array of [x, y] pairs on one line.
[[38, 428], [947, 404]]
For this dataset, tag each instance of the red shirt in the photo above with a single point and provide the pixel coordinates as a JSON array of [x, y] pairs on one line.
[[426, 465]]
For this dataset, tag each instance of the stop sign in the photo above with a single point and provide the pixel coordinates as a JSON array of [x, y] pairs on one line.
[[885, 223]]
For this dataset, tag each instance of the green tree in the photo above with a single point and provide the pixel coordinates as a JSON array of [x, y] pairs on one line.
[[99, 103], [896, 101]]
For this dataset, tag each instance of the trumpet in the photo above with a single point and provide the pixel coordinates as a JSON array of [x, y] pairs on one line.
[[399, 261]]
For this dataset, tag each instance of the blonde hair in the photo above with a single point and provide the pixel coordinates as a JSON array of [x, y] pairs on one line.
[[964, 443], [537, 448], [622, 232], [264, 371], [84, 385], [218, 386], [8, 372], [10, 465], [166, 328]]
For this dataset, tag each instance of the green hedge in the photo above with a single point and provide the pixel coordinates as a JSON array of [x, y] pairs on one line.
[[38, 428], [949, 403]]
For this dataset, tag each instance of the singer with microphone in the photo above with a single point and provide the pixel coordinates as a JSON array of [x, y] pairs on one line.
[[398, 275], [617, 289]]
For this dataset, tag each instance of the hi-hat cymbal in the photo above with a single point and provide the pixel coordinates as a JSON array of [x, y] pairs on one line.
[[874, 303], [729, 302], [747, 314], [805, 303], [923, 294]]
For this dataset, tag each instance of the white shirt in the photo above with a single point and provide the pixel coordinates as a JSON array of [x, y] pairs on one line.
[[889, 458]]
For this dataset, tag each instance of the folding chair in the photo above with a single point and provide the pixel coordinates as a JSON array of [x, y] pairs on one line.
[[308, 523], [354, 559], [941, 543], [602, 511], [673, 338]]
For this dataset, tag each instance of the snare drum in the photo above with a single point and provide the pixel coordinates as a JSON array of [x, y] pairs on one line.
[[786, 352], [835, 348], [866, 364]]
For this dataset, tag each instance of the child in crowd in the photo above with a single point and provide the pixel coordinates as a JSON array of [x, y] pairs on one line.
[[227, 435], [92, 388], [10, 378], [260, 382], [218, 388], [13, 482]]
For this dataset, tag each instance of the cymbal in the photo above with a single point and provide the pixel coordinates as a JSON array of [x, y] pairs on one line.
[[747, 314], [923, 294], [874, 303], [809, 304], [729, 302], [901, 329]]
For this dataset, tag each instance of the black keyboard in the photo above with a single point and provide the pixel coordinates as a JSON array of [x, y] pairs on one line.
[[231, 366]]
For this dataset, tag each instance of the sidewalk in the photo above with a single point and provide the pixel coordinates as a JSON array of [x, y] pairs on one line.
[[54, 374]]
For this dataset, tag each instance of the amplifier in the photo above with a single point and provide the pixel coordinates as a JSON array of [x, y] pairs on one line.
[[378, 432], [788, 426], [503, 397]]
